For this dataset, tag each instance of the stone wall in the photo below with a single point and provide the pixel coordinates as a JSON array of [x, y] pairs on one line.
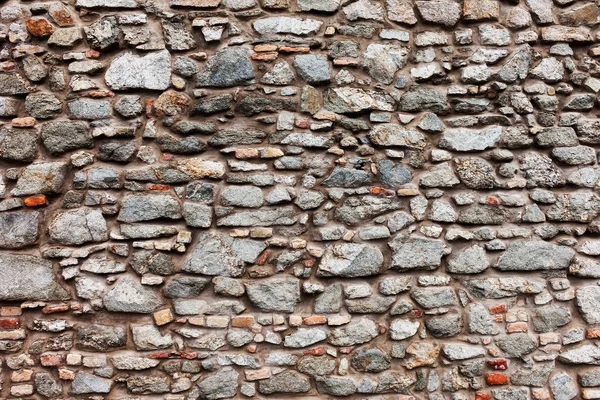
[[386, 199]]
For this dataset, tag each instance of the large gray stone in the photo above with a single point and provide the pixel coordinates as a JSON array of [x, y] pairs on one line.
[[358, 331], [274, 294], [25, 277], [77, 227], [222, 255], [147, 207], [416, 254], [535, 255], [588, 302], [230, 66], [222, 384], [128, 295], [19, 229], [41, 178], [85, 383], [296, 26], [382, 61], [469, 140], [350, 260], [129, 71]]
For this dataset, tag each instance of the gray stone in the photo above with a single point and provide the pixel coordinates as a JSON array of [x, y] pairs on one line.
[[540, 171], [443, 12], [350, 260], [348, 178], [421, 97], [590, 378], [77, 227], [185, 287], [274, 294], [62, 136], [516, 345], [316, 366], [549, 319], [434, 297], [319, 5], [494, 34], [330, 301], [13, 84], [100, 338], [304, 337], [472, 260], [85, 383], [456, 352], [42, 105], [442, 175], [151, 71], [563, 387], [480, 321], [347, 100], [356, 210], [89, 109], [416, 254], [382, 61], [279, 216], [358, 331], [476, 173], [19, 229], [146, 207], [217, 254], [314, 69], [152, 261], [222, 384], [588, 302], [388, 135], [556, 137], [536, 376], [197, 215], [46, 385], [103, 33], [280, 74], [336, 386], [296, 26], [549, 70], [242, 196], [576, 155], [468, 140], [176, 35], [575, 207], [25, 277], [148, 337], [229, 67], [128, 295], [585, 354], [401, 329], [535, 255], [285, 382], [364, 9], [18, 144], [542, 10]]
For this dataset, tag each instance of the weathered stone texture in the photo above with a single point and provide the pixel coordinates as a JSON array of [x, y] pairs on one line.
[[324, 199]]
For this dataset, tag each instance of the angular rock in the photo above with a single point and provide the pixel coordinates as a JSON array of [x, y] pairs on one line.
[[394, 135], [229, 67], [296, 26], [350, 260], [416, 254], [19, 229], [151, 71], [147, 207], [274, 294], [77, 227], [535, 255], [382, 61], [62, 136], [129, 296], [25, 277], [467, 140]]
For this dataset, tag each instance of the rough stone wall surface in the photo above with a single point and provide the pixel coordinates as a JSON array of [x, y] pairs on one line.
[[386, 199]]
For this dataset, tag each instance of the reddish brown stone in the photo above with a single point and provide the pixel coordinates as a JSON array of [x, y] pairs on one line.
[[39, 27], [36, 201], [10, 323], [498, 309], [52, 360], [265, 56], [55, 309], [496, 379], [498, 365], [316, 351], [315, 320]]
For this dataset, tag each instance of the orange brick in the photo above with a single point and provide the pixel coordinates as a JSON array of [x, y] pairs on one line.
[[55, 309], [290, 49], [592, 333], [315, 320], [24, 122], [261, 48], [265, 56], [10, 311], [10, 323], [100, 93], [496, 379], [317, 351], [159, 187], [242, 321], [517, 327], [92, 54], [36, 201], [499, 309], [482, 396]]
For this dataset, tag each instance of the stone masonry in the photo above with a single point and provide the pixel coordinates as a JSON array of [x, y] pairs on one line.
[[320, 199]]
